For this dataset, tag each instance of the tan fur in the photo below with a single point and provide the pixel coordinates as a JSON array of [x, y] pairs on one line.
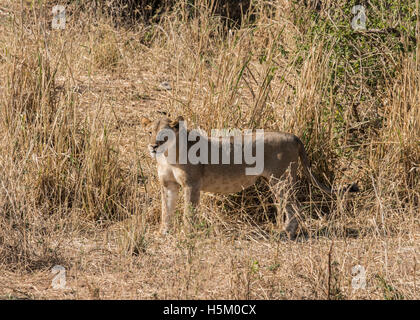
[[281, 152]]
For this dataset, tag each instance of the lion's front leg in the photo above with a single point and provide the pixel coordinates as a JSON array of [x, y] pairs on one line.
[[192, 199], [169, 193]]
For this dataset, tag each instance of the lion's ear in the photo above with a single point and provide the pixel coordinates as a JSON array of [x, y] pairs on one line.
[[175, 124], [145, 121]]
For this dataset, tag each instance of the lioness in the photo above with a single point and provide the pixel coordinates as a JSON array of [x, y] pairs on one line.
[[281, 152]]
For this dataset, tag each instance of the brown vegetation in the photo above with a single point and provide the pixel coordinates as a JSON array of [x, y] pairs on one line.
[[78, 189]]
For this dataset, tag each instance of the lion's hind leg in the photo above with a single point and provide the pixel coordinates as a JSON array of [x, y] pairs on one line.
[[283, 188]]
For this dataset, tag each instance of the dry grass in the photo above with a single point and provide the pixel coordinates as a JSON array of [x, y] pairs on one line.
[[78, 189]]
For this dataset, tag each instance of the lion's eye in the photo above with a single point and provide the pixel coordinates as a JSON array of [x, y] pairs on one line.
[[150, 133]]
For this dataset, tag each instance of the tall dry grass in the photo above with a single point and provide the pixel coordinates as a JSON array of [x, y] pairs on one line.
[[77, 187]]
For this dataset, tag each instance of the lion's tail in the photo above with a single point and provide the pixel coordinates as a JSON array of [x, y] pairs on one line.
[[306, 167], [307, 171]]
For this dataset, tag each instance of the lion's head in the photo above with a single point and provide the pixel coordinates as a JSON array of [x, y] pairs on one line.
[[161, 131]]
